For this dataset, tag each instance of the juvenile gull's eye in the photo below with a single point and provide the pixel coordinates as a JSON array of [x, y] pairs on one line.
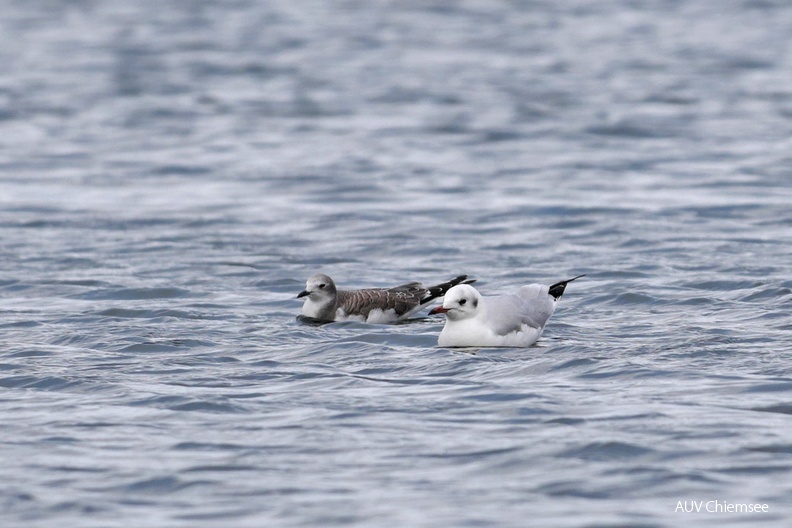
[[462, 302], [322, 286]]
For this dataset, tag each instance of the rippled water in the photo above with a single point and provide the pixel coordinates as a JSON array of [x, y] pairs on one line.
[[171, 173]]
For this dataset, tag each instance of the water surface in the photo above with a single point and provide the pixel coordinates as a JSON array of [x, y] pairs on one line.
[[170, 174]]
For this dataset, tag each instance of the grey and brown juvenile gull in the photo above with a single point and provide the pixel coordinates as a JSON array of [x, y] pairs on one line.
[[515, 320], [325, 302]]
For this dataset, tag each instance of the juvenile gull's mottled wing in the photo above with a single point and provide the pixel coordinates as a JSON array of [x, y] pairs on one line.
[[404, 299], [361, 302]]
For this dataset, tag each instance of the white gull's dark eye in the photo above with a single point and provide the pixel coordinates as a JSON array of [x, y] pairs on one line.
[[322, 286], [462, 302]]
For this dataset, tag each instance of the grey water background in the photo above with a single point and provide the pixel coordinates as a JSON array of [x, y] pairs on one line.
[[172, 172]]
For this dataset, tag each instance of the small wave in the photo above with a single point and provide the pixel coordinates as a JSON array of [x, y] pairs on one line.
[[603, 451], [131, 313], [166, 345], [134, 294], [49, 383], [782, 408]]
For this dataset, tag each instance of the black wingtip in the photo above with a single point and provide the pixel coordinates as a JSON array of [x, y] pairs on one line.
[[557, 289], [441, 289], [462, 279]]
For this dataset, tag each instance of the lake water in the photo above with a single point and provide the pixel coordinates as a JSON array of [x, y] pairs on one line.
[[172, 172]]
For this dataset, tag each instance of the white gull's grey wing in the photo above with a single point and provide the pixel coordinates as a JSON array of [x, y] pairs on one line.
[[511, 313], [532, 305], [537, 304]]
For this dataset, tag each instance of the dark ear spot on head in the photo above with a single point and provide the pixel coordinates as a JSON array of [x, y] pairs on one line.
[[475, 303]]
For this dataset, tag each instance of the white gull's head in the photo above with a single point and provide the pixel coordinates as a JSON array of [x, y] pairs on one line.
[[460, 302]]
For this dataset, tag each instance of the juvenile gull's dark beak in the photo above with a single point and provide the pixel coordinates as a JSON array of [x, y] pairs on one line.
[[303, 293], [438, 310]]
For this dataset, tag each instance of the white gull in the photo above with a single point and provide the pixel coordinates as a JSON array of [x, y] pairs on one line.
[[514, 320], [325, 302]]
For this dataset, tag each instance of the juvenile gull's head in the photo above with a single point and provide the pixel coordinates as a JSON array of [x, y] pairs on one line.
[[319, 288]]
